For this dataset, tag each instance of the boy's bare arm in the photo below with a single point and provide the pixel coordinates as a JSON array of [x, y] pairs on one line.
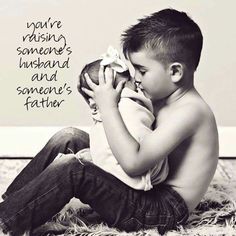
[[136, 158]]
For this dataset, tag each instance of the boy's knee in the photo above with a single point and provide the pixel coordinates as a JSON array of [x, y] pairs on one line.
[[70, 136], [72, 162], [66, 158], [66, 163]]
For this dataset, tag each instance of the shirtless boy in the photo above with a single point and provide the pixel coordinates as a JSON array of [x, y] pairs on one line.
[[164, 50]]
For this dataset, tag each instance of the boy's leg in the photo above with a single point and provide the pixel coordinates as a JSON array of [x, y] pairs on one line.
[[67, 140], [46, 194], [119, 205]]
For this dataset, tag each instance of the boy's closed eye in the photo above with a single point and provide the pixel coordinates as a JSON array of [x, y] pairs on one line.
[[141, 69], [142, 72]]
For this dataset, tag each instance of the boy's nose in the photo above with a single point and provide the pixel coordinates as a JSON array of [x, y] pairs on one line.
[[137, 80], [138, 83]]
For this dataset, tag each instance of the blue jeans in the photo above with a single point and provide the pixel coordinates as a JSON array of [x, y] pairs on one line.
[[43, 188]]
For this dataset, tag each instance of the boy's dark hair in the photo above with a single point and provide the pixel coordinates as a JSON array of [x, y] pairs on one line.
[[172, 36], [92, 70]]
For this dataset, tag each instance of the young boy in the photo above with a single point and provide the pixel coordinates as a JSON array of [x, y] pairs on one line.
[[136, 111], [164, 49]]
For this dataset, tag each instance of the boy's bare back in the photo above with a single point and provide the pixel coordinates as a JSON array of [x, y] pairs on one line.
[[193, 162]]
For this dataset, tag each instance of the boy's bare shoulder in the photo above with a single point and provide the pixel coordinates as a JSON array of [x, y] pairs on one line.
[[187, 115], [200, 107], [194, 108]]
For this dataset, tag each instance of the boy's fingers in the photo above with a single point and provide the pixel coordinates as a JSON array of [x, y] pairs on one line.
[[109, 75], [101, 76], [120, 86], [90, 93], [90, 83]]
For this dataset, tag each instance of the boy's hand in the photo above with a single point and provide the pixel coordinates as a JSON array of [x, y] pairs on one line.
[[104, 94]]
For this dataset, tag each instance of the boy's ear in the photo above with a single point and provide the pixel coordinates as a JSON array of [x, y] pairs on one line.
[[176, 71]]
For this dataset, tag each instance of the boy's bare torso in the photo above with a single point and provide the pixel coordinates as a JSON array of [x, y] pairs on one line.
[[193, 163]]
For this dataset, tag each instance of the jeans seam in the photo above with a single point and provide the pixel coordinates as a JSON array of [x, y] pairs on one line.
[[21, 210], [180, 214]]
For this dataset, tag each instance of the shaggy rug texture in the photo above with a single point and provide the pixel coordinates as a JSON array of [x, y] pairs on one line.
[[215, 215]]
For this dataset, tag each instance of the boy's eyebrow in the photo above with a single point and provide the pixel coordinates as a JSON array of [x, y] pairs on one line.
[[138, 66]]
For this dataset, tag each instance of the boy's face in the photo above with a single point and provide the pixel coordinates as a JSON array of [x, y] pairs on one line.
[[154, 78]]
